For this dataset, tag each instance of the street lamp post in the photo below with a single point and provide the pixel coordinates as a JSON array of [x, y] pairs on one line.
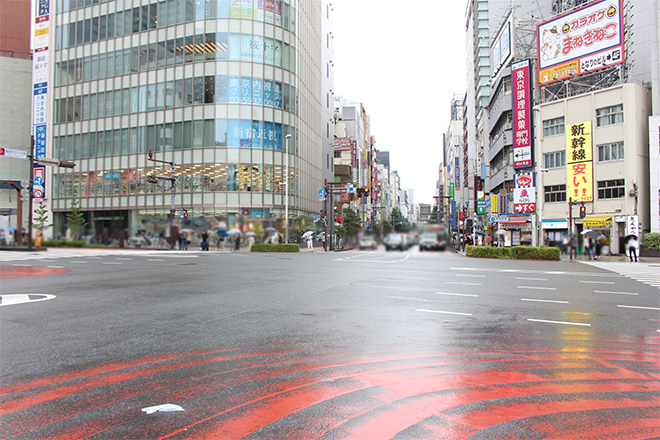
[[286, 186]]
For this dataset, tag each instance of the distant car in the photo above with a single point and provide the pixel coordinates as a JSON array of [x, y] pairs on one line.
[[431, 240], [368, 242], [394, 241]]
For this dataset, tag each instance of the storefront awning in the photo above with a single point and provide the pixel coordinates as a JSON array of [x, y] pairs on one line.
[[594, 222], [555, 224], [515, 224]]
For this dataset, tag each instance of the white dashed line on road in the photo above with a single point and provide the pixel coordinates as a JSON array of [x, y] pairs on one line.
[[464, 284], [80, 262], [126, 259], [639, 307], [544, 300], [456, 294], [111, 262], [153, 259], [597, 282], [94, 258], [444, 312], [559, 322], [532, 279], [536, 287], [616, 293], [470, 276]]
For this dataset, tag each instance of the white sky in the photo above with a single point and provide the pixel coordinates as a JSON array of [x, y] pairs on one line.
[[403, 61]]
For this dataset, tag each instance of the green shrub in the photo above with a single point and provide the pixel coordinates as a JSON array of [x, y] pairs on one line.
[[535, 253], [516, 252], [97, 245], [487, 252], [651, 241], [274, 247], [63, 243]]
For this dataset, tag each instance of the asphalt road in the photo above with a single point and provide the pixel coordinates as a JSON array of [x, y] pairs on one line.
[[363, 345]]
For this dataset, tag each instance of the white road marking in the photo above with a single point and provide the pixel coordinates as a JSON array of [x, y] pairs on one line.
[[81, 262], [532, 279], [456, 294], [464, 284], [598, 282], [544, 300], [616, 293], [470, 276], [8, 300], [153, 259], [558, 322], [510, 270], [127, 259], [56, 267], [535, 287], [639, 307], [111, 262], [446, 313], [94, 258]]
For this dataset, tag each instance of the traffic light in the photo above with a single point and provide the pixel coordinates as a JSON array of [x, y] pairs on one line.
[[365, 191], [359, 192], [583, 211], [184, 214], [2, 151]]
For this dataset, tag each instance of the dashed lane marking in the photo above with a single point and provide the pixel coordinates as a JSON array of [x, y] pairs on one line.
[[536, 287], [615, 293], [457, 294], [544, 300], [559, 322], [443, 312], [638, 307]]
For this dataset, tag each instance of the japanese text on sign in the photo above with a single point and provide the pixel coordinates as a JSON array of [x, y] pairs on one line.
[[579, 179], [522, 141]]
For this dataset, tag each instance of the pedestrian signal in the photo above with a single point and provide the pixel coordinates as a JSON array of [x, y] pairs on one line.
[[184, 214]]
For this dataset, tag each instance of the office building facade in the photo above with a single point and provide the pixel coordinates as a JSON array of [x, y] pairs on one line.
[[221, 89]]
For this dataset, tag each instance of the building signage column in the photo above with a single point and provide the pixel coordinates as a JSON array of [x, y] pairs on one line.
[[522, 104], [579, 168], [40, 60]]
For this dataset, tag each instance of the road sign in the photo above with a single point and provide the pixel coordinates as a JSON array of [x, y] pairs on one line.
[[38, 181], [38, 192], [350, 188], [18, 154], [322, 193]]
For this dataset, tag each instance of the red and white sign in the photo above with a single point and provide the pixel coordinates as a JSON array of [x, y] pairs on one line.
[[524, 193], [343, 143], [39, 182], [522, 121]]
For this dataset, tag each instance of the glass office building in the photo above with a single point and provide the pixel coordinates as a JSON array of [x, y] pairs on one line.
[[214, 86]]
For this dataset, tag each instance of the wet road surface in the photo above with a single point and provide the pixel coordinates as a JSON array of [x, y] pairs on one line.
[[362, 345]]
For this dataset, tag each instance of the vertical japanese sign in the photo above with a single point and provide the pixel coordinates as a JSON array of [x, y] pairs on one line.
[[632, 225], [654, 156], [39, 182], [40, 39], [522, 105], [579, 167], [451, 191], [354, 154], [524, 193], [494, 204]]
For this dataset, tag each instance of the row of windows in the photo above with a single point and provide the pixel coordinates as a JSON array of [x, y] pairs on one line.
[[218, 89], [208, 133], [604, 116], [606, 153], [190, 178], [169, 13], [201, 47], [607, 189]]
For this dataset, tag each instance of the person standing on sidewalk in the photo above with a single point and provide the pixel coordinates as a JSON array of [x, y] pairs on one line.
[[632, 247], [310, 246]]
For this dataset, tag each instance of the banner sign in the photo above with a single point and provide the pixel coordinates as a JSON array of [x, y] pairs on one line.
[[40, 60], [451, 191], [500, 49], [579, 168], [354, 154], [522, 108], [581, 41], [342, 143], [39, 182], [524, 193]]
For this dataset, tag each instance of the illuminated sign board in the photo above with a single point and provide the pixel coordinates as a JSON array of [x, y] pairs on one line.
[[579, 166]]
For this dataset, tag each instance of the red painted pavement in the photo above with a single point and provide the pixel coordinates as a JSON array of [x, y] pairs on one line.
[[7, 272]]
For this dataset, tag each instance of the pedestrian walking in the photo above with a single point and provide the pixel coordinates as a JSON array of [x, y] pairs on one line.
[[572, 246], [632, 247], [325, 247], [221, 240], [589, 248], [310, 246], [237, 242], [205, 241]]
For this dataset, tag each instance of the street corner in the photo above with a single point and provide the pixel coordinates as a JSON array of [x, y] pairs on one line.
[[7, 272]]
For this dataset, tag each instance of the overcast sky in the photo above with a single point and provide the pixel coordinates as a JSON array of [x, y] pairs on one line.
[[403, 61]]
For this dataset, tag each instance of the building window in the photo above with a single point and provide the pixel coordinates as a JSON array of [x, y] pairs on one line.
[[553, 127], [338, 154], [611, 189], [555, 193], [555, 160], [610, 152], [609, 115]]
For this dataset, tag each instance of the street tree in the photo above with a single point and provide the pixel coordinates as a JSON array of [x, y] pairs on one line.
[[40, 221], [400, 223], [76, 219]]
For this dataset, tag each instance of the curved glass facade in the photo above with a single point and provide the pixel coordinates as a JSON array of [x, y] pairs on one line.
[[211, 85]]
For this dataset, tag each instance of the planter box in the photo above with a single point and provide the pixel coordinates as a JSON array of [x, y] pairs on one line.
[[649, 252]]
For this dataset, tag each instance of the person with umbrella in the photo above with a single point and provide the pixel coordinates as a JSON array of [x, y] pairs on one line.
[[308, 236]]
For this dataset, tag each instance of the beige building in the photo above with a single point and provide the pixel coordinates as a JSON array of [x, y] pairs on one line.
[[620, 159]]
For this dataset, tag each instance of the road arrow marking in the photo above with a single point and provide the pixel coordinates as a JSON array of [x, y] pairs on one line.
[[9, 300]]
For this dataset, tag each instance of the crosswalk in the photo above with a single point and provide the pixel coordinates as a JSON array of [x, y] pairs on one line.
[[647, 273]]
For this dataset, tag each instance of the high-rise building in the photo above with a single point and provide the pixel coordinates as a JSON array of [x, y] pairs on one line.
[[229, 92]]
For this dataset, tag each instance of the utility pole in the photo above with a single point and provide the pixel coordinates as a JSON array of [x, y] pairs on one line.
[[172, 179]]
